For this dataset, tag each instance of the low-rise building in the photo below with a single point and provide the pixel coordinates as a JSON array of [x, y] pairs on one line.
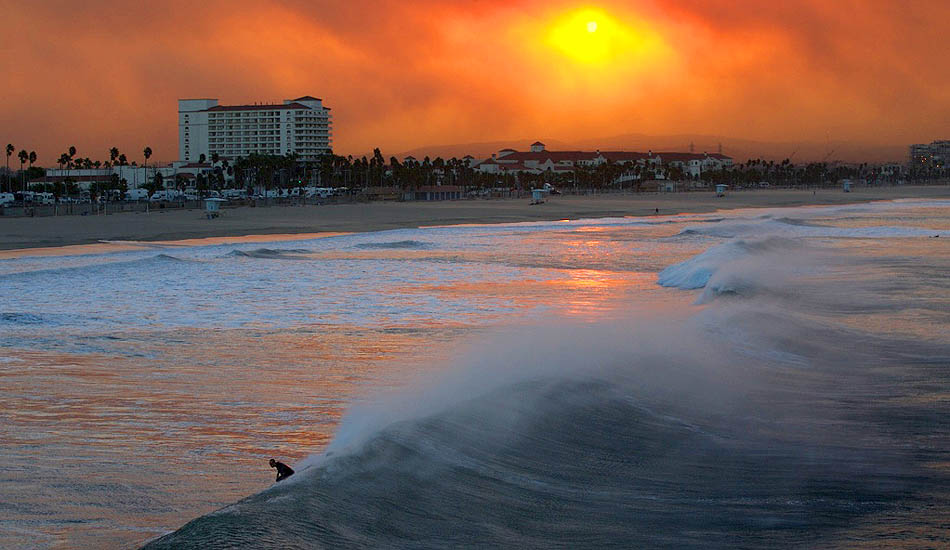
[[134, 176], [538, 159]]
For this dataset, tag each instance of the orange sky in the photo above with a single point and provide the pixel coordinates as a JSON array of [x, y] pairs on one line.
[[400, 75]]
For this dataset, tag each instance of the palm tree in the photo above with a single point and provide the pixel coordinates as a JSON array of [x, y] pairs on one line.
[[72, 153], [224, 170], [216, 181], [10, 150], [23, 156], [32, 158], [147, 153]]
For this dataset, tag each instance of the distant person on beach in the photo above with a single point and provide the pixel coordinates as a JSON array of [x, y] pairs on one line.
[[283, 471], [657, 210]]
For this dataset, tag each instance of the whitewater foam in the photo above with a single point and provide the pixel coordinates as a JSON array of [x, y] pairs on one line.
[[789, 228]]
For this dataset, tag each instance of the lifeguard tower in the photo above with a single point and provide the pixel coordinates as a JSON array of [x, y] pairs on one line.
[[213, 207], [537, 195], [720, 190]]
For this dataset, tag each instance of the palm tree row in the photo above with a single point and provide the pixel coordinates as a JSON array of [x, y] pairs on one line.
[[23, 156], [68, 161], [330, 170]]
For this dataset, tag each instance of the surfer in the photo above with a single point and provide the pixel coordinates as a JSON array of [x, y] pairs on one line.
[[283, 471]]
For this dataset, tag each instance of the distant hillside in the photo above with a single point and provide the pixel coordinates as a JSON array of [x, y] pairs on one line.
[[479, 150], [739, 149]]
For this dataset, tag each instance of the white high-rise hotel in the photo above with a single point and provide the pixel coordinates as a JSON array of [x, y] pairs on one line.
[[301, 126]]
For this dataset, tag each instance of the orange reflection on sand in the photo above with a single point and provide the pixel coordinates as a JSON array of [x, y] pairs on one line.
[[105, 247]]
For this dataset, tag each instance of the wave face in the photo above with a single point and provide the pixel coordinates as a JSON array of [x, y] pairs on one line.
[[654, 434]]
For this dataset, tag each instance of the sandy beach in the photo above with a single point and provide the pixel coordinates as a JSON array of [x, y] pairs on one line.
[[282, 222]]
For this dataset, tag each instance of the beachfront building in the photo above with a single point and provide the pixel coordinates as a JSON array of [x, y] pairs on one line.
[[538, 160], [133, 176], [930, 156], [302, 127]]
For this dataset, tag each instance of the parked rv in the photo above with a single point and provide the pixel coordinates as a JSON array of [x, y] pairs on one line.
[[44, 198], [136, 195], [167, 195], [234, 193]]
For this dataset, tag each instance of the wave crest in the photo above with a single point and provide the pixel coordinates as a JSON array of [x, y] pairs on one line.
[[697, 271], [272, 253], [406, 244]]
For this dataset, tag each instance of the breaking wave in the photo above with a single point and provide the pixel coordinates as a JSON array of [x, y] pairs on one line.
[[697, 271], [649, 433], [796, 228], [104, 267]]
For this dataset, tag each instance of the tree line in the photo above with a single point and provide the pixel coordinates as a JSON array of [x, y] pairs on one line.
[[267, 172]]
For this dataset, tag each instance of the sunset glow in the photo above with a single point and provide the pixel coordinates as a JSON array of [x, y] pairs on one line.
[[595, 38], [440, 73]]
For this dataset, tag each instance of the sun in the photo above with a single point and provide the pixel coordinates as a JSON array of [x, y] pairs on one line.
[[597, 38]]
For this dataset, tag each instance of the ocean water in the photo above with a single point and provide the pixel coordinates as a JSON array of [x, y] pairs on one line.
[[743, 379]]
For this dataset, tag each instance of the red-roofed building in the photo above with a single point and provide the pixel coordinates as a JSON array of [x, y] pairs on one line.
[[301, 126], [538, 160], [694, 164]]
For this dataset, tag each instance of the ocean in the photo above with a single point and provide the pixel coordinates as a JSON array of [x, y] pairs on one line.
[[741, 379]]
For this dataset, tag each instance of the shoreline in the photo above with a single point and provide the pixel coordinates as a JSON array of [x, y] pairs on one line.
[[31, 236]]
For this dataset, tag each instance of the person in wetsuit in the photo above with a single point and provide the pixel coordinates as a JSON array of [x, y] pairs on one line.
[[283, 471]]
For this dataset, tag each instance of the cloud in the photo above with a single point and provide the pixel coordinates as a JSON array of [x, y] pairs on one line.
[[400, 75]]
